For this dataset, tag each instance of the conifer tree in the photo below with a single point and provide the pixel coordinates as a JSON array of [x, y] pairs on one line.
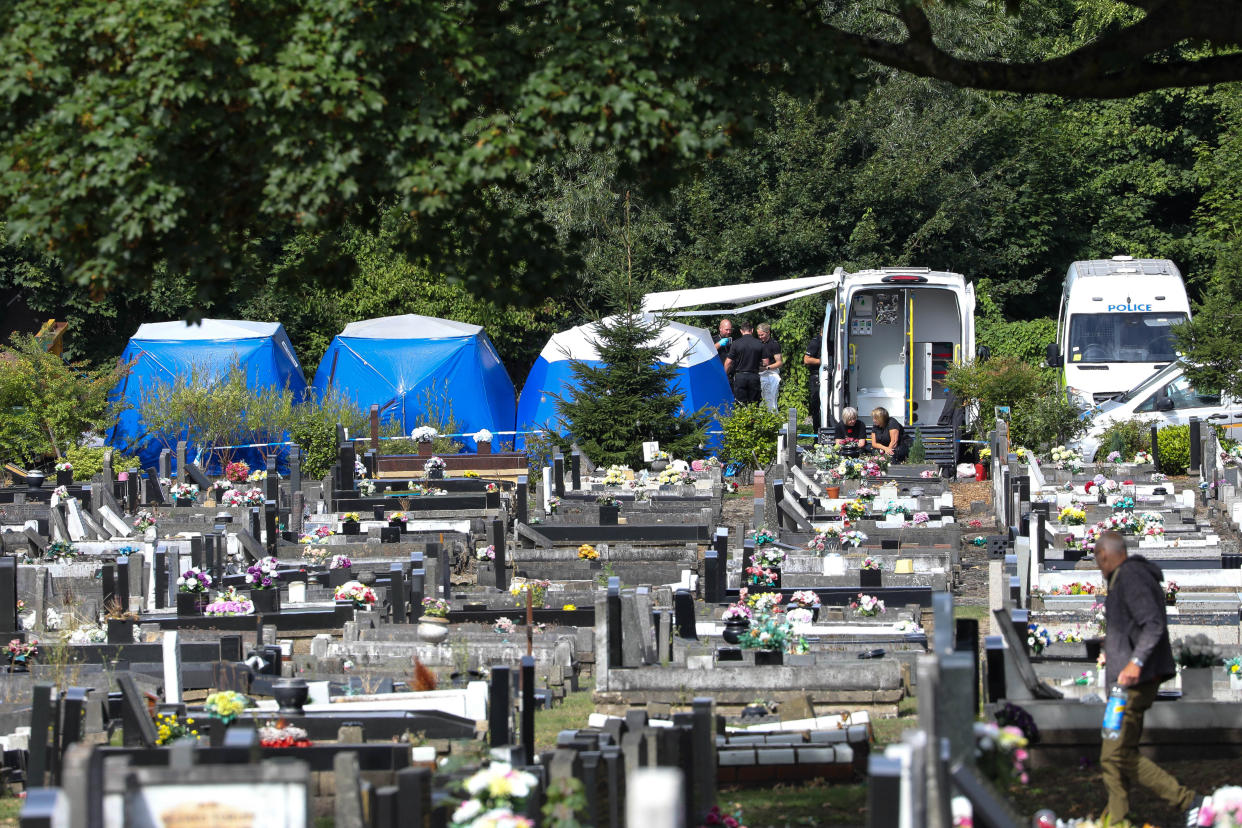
[[628, 398]]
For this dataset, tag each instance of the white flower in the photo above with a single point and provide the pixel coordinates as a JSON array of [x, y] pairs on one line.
[[424, 434], [468, 810], [482, 436]]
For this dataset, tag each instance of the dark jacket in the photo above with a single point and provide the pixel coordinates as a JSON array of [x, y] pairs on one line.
[[1137, 626], [745, 351]]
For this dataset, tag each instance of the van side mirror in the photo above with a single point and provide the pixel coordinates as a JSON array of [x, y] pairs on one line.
[[984, 353], [1164, 403], [1053, 355]]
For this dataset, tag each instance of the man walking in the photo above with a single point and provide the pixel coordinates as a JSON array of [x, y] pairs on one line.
[[743, 363], [1138, 656]]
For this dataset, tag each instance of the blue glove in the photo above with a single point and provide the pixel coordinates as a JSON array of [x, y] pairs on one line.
[[725, 341]]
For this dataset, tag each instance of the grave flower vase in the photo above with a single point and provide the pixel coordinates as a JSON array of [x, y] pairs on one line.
[[608, 515], [424, 449], [399, 525], [484, 447], [869, 578], [769, 658], [35, 479], [291, 694], [121, 631], [431, 629], [658, 466], [266, 601], [833, 492], [64, 477], [18, 664], [734, 628], [350, 527], [190, 604], [339, 576], [1197, 683], [435, 474]]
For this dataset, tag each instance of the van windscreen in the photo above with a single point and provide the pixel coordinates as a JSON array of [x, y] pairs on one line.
[[1122, 337]]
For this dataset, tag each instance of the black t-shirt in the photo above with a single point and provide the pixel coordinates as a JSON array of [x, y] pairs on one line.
[[882, 432], [854, 431], [813, 346], [746, 351], [771, 349]]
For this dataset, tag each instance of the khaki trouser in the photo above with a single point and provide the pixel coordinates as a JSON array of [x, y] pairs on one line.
[[1122, 763]]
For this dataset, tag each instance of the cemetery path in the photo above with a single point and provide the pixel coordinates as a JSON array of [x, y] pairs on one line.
[[738, 508], [974, 586]]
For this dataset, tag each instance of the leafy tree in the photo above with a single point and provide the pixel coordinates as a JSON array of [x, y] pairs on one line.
[[627, 400], [162, 133], [49, 404], [750, 434]]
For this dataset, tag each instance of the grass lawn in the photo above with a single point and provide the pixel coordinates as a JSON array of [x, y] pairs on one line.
[[980, 614], [570, 714], [10, 809]]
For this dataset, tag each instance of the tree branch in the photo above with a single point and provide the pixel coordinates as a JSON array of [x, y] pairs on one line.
[[1122, 63]]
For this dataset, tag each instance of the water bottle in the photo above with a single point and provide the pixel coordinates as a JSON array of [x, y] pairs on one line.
[[1114, 711]]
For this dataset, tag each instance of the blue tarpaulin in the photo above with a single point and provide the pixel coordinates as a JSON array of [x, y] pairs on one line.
[[418, 369], [161, 352]]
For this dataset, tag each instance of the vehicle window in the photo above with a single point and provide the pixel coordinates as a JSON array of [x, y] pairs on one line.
[[1184, 396], [1122, 337], [1149, 404]]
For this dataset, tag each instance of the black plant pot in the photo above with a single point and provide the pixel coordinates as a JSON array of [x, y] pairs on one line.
[[769, 658], [337, 577], [378, 512], [491, 500], [399, 525], [35, 479], [608, 515], [121, 631], [266, 601], [870, 578], [734, 628], [64, 478], [350, 527], [291, 695], [435, 474], [190, 604]]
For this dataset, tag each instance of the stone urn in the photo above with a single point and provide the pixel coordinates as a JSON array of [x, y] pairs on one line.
[[291, 695], [734, 628], [35, 479], [431, 629], [435, 474], [658, 466]]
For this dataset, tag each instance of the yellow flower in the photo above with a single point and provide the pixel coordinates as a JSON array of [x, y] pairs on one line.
[[569, 607]]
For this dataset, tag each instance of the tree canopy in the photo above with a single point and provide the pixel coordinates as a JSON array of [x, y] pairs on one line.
[[144, 136]]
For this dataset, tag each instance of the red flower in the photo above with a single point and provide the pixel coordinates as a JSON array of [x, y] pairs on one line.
[[1087, 486]]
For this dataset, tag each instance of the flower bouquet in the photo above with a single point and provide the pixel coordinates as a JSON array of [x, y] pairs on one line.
[[262, 575], [854, 509], [504, 626], [194, 580], [144, 520], [1124, 504], [184, 491], [554, 503], [21, 653], [1072, 515], [340, 562], [494, 797], [1074, 588], [320, 534], [64, 466], [237, 472], [491, 487], [1141, 458], [250, 497], [853, 538], [866, 494], [230, 602], [763, 536], [929, 474], [169, 728], [672, 477], [805, 598], [226, 705], [435, 464], [1170, 593], [1233, 667], [768, 556], [283, 736], [61, 492], [351, 517], [586, 552], [823, 541], [424, 434], [919, 519], [616, 475], [366, 487], [608, 501], [538, 591], [485, 553], [867, 605], [482, 436], [1037, 638], [357, 593], [737, 611], [436, 607], [871, 564]]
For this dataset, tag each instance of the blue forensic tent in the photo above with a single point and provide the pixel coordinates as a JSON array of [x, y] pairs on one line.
[[163, 351], [700, 374], [405, 364]]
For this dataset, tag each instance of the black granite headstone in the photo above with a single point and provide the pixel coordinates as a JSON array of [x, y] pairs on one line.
[[8, 594], [500, 704], [500, 563], [683, 608], [613, 604], [575, 469], [521, 494], [418, 588], [42, 716], [396, 594], [528, 709]]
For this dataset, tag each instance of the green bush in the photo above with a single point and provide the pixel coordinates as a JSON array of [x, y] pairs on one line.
[[314, 430], [1174, 443], [918, 451], [1040, 416], [1026, 341], [1134, 435], [88, 461], [750, 434], [1046, 420]]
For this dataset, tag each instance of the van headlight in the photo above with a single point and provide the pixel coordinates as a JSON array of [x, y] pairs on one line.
[[1080, 400]]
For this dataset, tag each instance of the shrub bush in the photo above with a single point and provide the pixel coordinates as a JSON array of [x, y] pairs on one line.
[[88, 461], [1134, 435], [750, 434], [1174, 443]]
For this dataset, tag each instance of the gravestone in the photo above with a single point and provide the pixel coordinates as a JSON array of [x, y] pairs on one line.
[[683, 608], [632, 639], [295, 468], [172, 667]]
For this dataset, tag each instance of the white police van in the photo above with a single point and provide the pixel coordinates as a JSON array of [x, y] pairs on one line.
[[1114, 326], [1167, 397]]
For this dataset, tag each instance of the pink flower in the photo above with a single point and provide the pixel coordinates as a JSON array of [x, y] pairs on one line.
[[1026, 778], [1207, 814], [1021, 755]]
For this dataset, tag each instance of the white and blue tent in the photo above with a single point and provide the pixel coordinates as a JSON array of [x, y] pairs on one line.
[[404, 364], [162, 352], [700, 373]]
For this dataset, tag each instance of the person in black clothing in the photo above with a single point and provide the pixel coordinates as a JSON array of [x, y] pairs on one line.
[[811, 359], [889, 436], [726, 338], [743, 362], [850, 430]]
